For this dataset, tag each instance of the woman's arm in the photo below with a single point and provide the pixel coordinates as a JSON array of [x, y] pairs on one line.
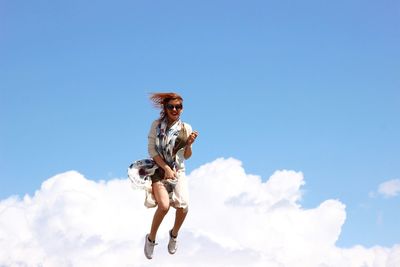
[[188, 152], [188, 148]]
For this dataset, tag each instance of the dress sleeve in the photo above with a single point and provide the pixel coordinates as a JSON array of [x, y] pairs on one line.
[[151, 145]]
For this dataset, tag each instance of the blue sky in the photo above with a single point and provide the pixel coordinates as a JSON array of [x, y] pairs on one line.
[[310, 86]]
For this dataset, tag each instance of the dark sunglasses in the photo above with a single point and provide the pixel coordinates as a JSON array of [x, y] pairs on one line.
[[171, 107]]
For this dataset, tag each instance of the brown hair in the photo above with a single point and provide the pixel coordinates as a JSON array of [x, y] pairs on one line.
[[161, 99]]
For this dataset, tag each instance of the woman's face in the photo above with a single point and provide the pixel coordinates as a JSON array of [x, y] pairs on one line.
[[173, 109]]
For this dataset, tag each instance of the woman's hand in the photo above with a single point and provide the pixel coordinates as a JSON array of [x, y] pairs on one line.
[[169, 173], [192, 137]]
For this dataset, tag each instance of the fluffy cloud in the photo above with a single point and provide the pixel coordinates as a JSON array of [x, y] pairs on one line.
[[235, 219], [389, 188]]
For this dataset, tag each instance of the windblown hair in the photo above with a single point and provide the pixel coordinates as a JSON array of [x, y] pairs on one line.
[[161, 99]]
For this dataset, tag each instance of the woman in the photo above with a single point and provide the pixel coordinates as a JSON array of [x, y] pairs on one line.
[[169, 144]]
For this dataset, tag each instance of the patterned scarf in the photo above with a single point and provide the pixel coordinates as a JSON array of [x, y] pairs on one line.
[[165, 140]]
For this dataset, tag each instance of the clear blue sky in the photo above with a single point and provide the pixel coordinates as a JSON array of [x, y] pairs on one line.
[[312, 86]]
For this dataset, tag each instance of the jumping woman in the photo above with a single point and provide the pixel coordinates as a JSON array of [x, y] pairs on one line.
[[169, 144]]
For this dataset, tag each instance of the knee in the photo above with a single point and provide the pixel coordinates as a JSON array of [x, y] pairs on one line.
[[163, 207]]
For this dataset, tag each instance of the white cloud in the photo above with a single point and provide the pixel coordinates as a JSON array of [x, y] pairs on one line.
[[389, 188], [235, 219]]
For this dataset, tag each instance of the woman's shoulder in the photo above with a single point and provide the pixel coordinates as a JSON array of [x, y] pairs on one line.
[[155, 122]]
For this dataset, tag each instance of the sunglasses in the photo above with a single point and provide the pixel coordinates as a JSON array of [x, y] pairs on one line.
[[172, 107]]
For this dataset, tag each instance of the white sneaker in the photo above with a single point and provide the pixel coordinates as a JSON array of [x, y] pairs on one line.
[[172, 244], [149, 247]]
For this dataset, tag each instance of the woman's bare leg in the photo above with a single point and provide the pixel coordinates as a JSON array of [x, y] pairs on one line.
[[162, 198], [180, 216]]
